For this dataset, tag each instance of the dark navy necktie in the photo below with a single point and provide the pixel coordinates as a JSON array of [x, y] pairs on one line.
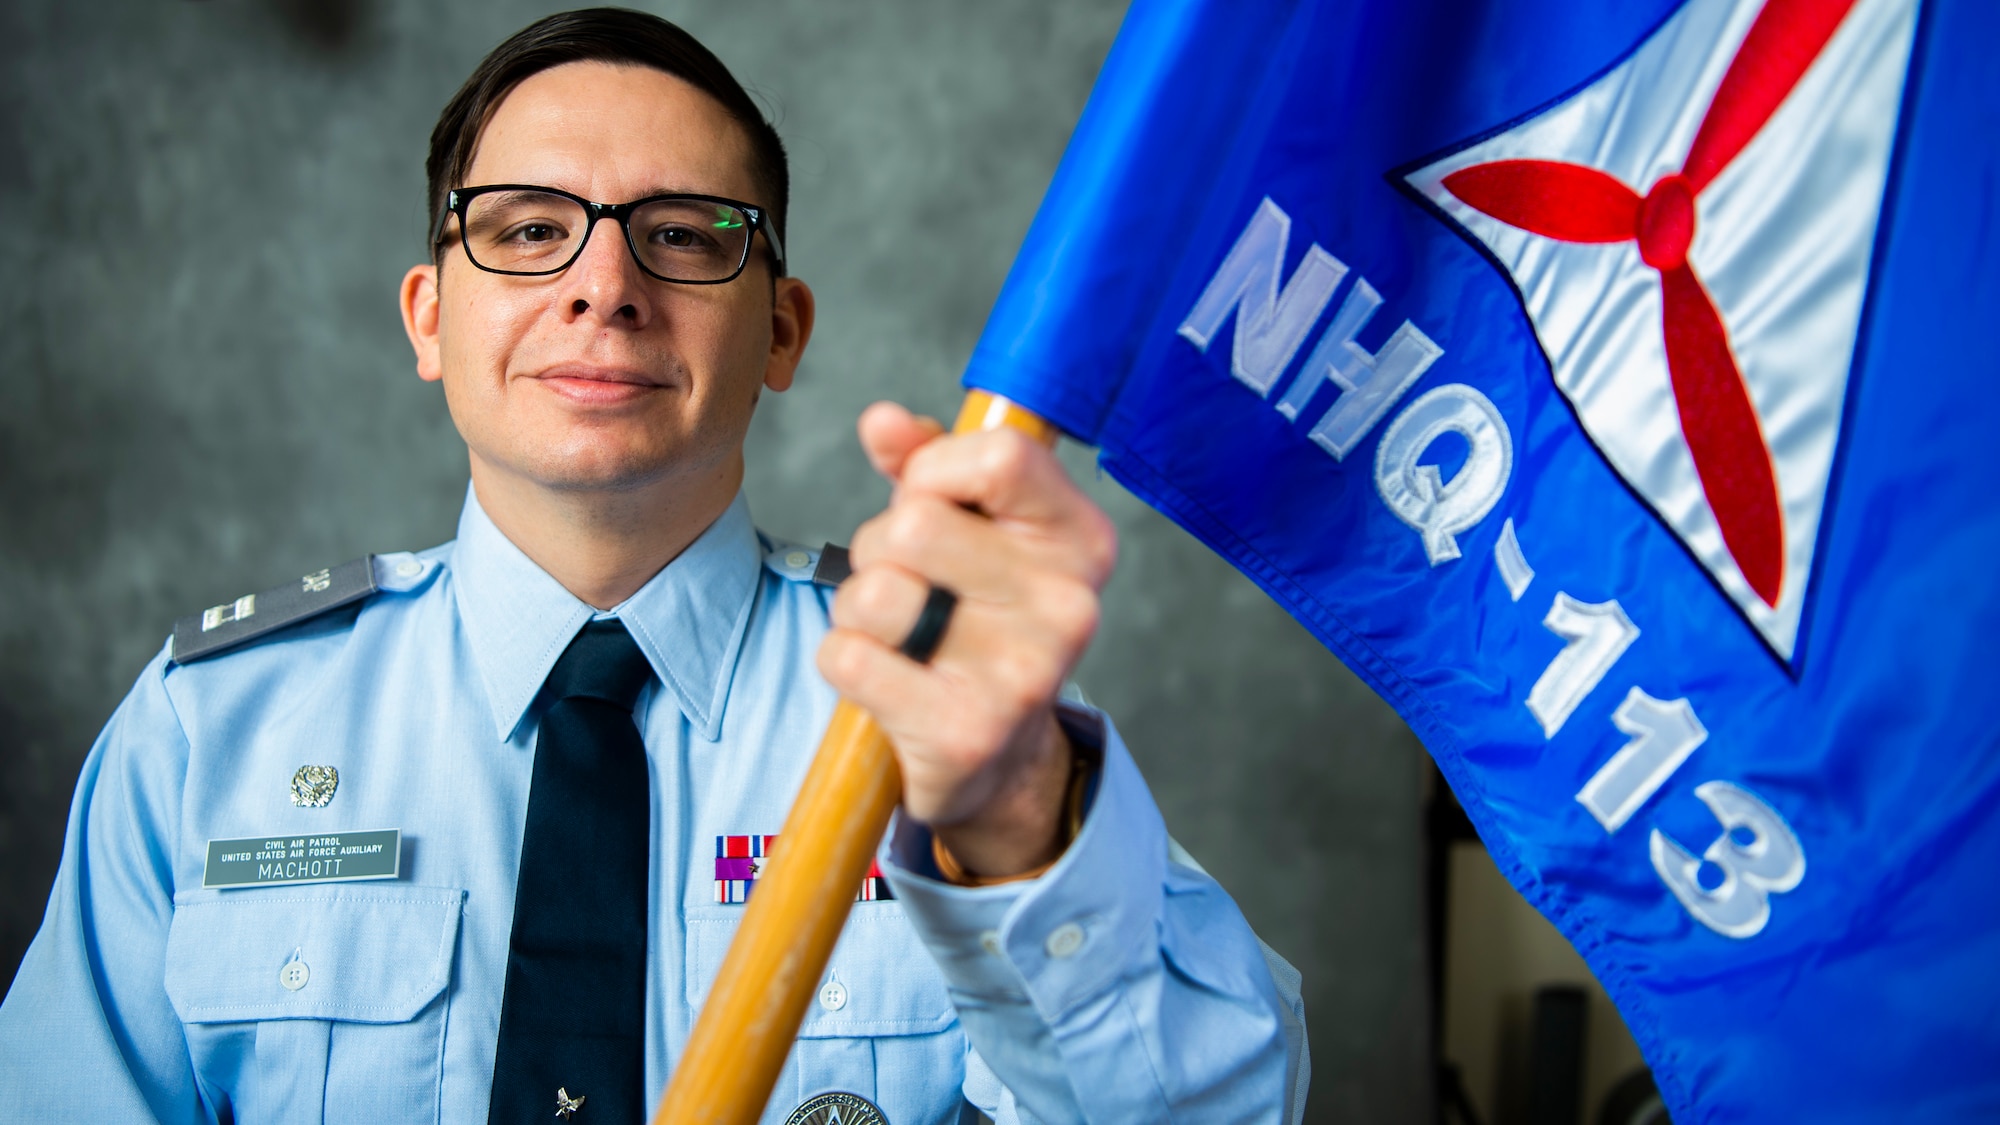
[[572, 1025]]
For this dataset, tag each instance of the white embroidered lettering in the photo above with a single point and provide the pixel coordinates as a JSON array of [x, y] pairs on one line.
[[1771, 863], [1370, 383], [1664, 733], [1597, 635], [1514, 568], [1418, 494], [1270, 324]]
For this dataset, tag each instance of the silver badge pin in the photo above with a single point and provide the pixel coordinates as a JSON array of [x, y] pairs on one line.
[[837, 1107], [567, 1106], [313, 786]]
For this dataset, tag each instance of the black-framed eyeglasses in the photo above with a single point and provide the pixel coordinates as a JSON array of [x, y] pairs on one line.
[[529, 231]]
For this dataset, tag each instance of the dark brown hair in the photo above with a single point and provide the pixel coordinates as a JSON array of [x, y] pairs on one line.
[[611, 35]]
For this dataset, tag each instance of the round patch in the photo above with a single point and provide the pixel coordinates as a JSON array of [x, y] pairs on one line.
[[313, 786], [837, 1108]]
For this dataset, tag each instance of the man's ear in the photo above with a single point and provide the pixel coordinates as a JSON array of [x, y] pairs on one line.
[[791, 327], [419, 298]]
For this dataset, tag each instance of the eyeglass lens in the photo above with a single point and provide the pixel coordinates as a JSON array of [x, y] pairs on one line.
[[537, 232]]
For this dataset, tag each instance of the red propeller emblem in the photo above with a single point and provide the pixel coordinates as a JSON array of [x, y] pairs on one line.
[[1574, 203]]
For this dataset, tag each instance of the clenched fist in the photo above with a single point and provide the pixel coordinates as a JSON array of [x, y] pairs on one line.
[[993, 517]]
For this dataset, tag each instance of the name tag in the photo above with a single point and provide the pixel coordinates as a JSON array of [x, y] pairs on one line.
[[328, 857]]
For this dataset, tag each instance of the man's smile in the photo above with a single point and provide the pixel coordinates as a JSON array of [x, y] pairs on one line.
[[589, 385]]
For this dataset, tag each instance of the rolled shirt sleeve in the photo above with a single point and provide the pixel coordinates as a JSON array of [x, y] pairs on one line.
[[1122, 985]]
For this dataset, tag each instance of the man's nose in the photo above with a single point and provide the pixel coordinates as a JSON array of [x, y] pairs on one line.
[[605, 280]]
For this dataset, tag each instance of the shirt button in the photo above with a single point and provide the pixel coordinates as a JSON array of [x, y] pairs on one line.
[[294, 975], [989, 940], [409, 568], [1064, 940], [833, 996], [797, 559]]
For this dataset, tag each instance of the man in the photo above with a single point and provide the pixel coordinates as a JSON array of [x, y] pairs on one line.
[[585, 716]]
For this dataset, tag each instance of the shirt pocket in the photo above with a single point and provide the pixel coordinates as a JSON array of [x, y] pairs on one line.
[[880, 1023], [316, 1003]]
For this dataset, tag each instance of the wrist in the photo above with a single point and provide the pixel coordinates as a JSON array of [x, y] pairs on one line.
[[1079, 767], [1025, 828]]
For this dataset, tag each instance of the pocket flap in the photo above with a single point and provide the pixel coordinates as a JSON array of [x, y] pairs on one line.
[[889, 983], [370, 955]]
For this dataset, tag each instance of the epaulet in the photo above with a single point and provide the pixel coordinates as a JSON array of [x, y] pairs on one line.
[[225, 626], [825, 567]]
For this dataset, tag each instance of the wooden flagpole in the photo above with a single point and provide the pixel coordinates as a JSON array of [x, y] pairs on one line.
[[752, 1014]]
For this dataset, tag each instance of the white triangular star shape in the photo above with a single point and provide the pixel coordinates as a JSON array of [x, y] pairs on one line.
[[1783, 241]]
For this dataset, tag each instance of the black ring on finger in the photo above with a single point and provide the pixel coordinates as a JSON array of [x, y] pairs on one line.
[[928, 632]]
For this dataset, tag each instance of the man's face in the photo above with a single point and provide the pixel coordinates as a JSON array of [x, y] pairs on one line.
[[602, 377]]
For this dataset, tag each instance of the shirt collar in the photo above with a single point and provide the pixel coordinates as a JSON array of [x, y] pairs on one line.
[[688, 620]]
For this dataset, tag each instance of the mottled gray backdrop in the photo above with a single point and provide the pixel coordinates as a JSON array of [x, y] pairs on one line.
[[205, 207]]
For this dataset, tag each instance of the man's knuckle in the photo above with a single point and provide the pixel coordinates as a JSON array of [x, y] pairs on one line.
[[910, 528], [1077, 613], [1101, 544], [844, 608], [843, 659], [1022, 674], [826, 658], [1066, 605], [872, 593], [1007, 457], [922, 463], [861, 549]]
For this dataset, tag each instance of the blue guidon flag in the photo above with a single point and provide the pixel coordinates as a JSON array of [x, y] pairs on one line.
[[1614, 388]]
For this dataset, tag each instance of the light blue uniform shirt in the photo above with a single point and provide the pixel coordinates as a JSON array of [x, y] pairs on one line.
[[1121, 986]]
